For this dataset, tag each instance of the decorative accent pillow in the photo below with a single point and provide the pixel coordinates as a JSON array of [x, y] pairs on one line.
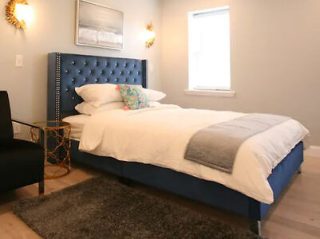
[[133, 96]]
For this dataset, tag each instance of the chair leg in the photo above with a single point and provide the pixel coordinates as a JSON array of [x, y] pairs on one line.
[[41, 187]]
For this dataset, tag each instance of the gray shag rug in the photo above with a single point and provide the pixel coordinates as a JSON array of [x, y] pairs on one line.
[[104, 208]]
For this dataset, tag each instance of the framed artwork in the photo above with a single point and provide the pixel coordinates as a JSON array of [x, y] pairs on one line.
[[98, 26]]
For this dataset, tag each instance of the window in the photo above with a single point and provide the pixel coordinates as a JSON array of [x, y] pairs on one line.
[[209, 50]]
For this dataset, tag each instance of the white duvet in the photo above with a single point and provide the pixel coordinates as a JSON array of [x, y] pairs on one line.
[[159, 136]]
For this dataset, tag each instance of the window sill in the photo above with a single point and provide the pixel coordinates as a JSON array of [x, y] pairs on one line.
[[218, 93]]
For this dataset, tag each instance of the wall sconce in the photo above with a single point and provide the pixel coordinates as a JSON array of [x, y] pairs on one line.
[[150, 35], [19, 13]]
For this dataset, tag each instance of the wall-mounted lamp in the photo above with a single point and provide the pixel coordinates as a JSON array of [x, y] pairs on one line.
[[19, 13], [150, 35]]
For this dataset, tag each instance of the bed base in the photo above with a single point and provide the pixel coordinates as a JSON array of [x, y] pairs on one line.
[[67, 71], [211, 193]]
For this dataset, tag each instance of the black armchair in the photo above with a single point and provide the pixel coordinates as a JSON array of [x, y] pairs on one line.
[[21, 162]]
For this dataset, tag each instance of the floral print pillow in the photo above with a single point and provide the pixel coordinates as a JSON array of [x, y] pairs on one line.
[[133, 97]]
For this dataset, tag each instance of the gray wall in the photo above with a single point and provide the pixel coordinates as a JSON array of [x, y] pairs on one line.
[[53, 30], [275, 57]]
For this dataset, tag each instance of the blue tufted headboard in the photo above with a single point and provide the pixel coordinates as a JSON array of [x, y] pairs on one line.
[[67, 71]]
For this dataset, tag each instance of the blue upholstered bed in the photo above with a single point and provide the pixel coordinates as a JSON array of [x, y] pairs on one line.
[[67, 71]]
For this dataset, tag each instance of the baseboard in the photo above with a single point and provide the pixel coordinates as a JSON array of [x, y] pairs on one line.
[[313, 151]]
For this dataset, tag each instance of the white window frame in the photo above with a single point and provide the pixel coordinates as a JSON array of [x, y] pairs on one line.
[[192, 89]]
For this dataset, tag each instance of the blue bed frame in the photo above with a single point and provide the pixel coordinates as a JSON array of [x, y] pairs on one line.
[[67, 71]]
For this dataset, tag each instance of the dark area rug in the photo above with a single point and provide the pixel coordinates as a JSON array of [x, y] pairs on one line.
[[104, 208]]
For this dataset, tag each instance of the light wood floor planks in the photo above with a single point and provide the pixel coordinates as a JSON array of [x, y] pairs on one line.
[[296, 216]]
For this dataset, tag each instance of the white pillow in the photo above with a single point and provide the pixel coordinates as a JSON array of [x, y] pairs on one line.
[[88, 109], [99, 94], [154, 95], [153, 104]]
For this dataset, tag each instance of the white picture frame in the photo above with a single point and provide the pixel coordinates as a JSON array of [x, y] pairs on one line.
[[98, 26]]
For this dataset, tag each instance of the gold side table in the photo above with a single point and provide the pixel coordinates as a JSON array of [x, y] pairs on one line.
[[56, 143]]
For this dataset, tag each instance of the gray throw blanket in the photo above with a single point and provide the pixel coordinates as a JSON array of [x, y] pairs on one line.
[[216, 146]]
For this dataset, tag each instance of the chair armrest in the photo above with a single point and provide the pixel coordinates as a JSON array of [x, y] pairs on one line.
[[27, 124], [35, 138]]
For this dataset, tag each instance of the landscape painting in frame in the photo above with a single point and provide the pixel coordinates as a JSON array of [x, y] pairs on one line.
[[99, 26]]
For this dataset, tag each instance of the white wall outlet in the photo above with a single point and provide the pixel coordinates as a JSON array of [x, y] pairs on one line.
[[19, 60]]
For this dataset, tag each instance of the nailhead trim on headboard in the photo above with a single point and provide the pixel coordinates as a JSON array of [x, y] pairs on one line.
[[58, 77]]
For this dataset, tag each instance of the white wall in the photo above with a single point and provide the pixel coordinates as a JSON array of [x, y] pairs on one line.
[[53, 31], [275, 57], [275, 54]]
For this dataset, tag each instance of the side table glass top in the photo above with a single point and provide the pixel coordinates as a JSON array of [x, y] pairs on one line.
[[52, 124]]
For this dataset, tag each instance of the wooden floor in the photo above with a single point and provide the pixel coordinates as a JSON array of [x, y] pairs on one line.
[[297, 215]]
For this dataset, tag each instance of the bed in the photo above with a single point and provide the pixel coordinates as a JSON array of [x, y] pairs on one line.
[[67, 71]]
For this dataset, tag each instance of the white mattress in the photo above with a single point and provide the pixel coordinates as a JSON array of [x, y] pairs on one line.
[[77, 123], [159, 136]]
